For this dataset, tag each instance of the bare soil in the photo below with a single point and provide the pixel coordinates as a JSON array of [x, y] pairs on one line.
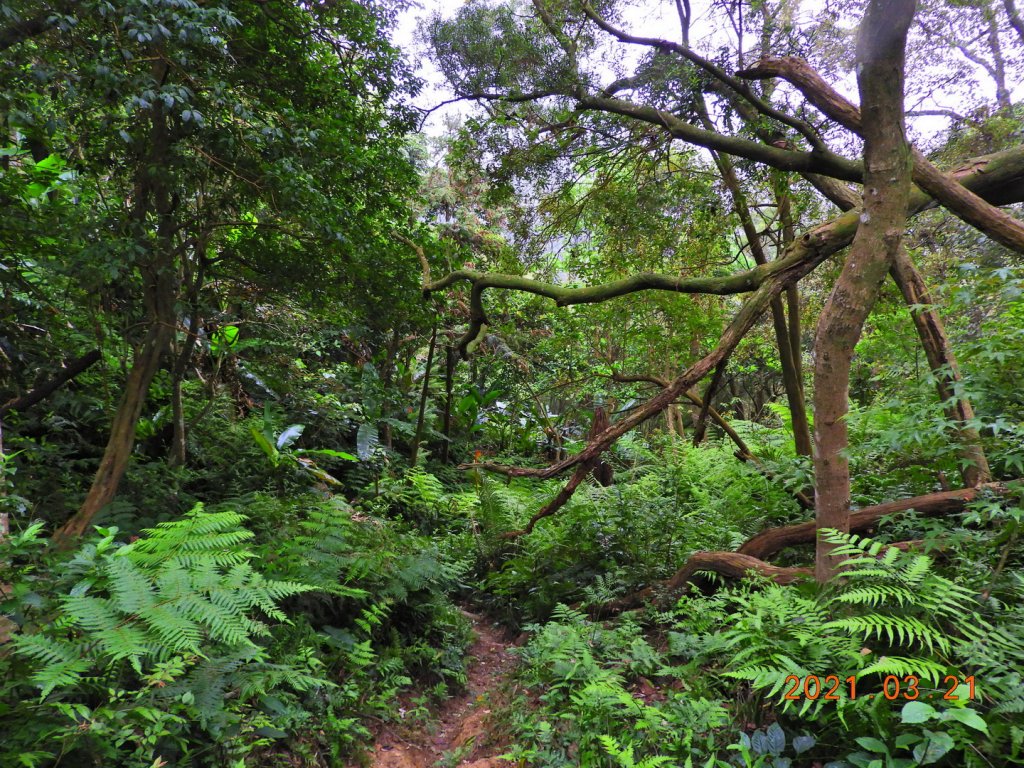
[[459, 735]]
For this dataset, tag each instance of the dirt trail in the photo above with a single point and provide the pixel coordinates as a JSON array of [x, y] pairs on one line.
[[459, 733]]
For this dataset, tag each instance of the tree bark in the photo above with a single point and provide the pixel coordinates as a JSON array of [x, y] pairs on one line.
[[179, 446], [770, 542], [449, 385], [421, 417], [788, 354], [880, 56], [974, 466], [159, 292], [979, 212], [752, 556], [122, 434]]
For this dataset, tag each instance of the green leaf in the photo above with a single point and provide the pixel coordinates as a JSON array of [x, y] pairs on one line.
[[968, 717], [267, 447], [289, 436], [327, 452], [223, 339], [934, 747], [367, 440], [872, 744], [802, 743], [917, 712]]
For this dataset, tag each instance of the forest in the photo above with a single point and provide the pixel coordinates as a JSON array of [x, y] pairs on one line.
[[525, 383]]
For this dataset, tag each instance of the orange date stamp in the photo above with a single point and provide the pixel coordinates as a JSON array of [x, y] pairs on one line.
[[906, 688]]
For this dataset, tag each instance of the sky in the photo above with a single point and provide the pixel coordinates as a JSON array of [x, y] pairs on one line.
[[653, 18]]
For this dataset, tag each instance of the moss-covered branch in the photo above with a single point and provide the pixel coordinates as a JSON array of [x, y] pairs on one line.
[[967, 205], [997, 179]]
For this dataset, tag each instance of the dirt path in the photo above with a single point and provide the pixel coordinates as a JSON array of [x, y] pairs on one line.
[[459, 734]]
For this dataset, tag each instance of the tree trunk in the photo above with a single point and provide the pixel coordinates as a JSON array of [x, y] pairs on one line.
[[788, 355], [159, 293], [449, 384], [179, 448], [414, 454], [887, 165], [974, 468], [122, 434]]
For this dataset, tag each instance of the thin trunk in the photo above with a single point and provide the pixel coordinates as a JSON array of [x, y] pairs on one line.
[[700, 427], [423, 398], [159, 286], [122, 434], [449, 385], [179, 446], [974, 469], [787, 353], [792, 292], [887, 163]]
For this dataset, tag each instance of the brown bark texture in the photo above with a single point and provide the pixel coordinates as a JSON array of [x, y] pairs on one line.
[[942, 361], [752, 556], [880, 60]]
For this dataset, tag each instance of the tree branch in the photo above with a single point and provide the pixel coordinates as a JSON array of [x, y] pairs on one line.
[[997, 224], [738, 86], [1015, 19], [824, 162], [46, 389], [998, 176]]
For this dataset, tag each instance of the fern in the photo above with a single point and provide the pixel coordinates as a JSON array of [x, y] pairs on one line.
[[911, 606], [912, 620], [177, 589], [901, 666]]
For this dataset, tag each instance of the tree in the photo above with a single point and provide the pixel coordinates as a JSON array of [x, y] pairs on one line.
[[557, 85], [215, 144]]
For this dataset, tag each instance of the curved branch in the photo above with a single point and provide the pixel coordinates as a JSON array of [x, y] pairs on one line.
[[824, 162], [738, 86], [770, 542], [997, 224], [753, 555], [732, 565], [999, 176], [418, 249], [66, 374], [1015, 20], [555, 504], [563, 296]]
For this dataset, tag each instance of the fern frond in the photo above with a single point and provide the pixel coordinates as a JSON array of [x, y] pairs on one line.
[[901, 666]]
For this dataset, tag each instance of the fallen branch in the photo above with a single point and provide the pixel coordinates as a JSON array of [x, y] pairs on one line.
[[773, 540], [732, 565], [753, 555]]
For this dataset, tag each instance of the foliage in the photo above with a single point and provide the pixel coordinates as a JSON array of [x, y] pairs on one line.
[[590, 699], [136, 645]]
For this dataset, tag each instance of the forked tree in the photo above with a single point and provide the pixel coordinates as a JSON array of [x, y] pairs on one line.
[[536, 64]]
